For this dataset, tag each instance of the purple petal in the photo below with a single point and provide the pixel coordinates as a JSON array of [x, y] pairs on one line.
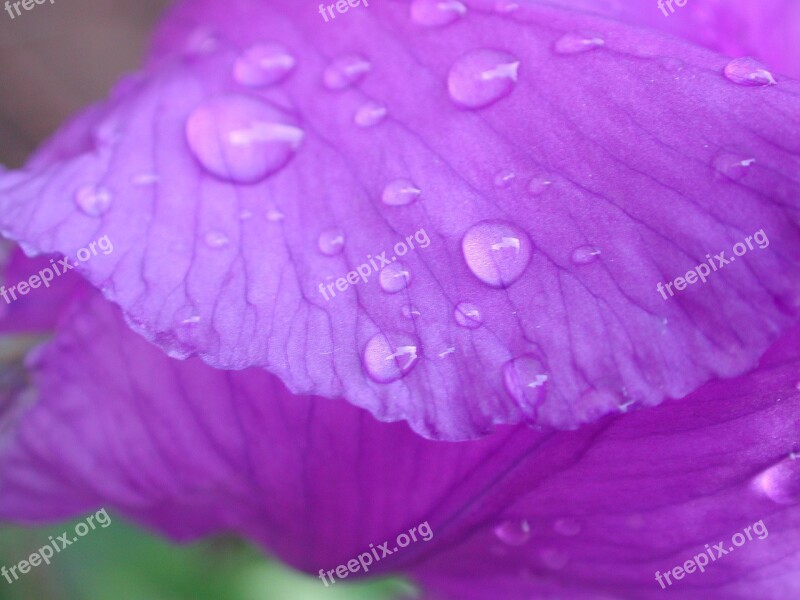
[[554, 222]]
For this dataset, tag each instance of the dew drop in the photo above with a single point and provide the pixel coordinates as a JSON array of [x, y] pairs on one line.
[[468, 315], [262, 65], [370, 114], [585, 255], [400, 192], [513, 532], [216, 239], [748, 71], [496, 252], [732, 166], [145, 179], [241, 139], [482, 77], [567, 527], [331, 242], [505, 7], [345, 71], [409, 311], [394, 278], [525, 378], [504, 178], [274, 215], [436, 13], [201, 41], [539, 185], [93, 200], [576, 43], [781, 482], [388, 357]]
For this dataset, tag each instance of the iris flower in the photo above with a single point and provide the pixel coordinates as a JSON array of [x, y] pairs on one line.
[[408, 263]]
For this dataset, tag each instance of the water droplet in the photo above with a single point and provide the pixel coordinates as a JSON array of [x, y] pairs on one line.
[[145, 179], [394, 278], [194, 319], [505, 6], [797, 386], [93, 200], [246, 215], [201, 41], [525, 378], [331, 242], [514, 532], [576, 43], [345, 71], [585, 254], [216, 239], [400, 192], [504, 178], [568, 527], [781, 482], [262, 65], [410, 311], [482, 77], [241, 139], [732, 166], [388, 357], [447, 352], [370, 114], [553, 558], [436, 13], [496, 252], [274, 215], [539, 185], [748, 71], [468, 315]]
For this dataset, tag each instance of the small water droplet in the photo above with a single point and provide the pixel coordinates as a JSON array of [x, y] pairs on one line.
[[539, 185], [409, 311], [93, 200], [505, 7], [732, 166], [400, 192], [748, 71], [585, 255], [797, 386], [145, 179], [191, 320], [482, 77], [262, 65], [513, 532], [781, 482], [394, 278], [504, 178], [436, 13], [216, 239], [241, 139], [553, 558], [468, 315], [201, 41], [246, 215], [567, 526], [496, 252], [525, 380], [388, 357], [369, 114], [345, 72], [445, 353], [274, 215], [331, 242], [578, 42]]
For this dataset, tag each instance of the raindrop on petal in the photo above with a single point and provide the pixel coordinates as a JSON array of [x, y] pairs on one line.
[[584, 255], [748, 71], [513, 532], [400, 192], [331, 242], [732, 166], [468, 315], [781, 482], [538, 185], [345, 71], [576, 43], [216, 239], [504, 178], [93, 200], [525, 380], [370, 114], [496, 252], [567, 527], [394, 278], [482, 77], [388, 357], [436, 13], [262, 65]]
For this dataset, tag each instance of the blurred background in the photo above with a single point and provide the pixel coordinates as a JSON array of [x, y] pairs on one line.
[[54, 60]]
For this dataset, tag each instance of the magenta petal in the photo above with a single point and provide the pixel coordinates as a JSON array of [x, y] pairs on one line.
[[231, 204], [190, 450]]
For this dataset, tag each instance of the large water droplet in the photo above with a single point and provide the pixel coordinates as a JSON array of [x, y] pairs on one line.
[[513, 532], [93, 200], [262, 65], [482, 77], [400, 192], [394, 278], [525, 380], [781, 482], [748, 71], [369, 114], [216, 239], [331, 242], [539, 185], [732, 166], [584, 255], [468, 315], [568, 527], [577, 42], [388, 357], [345, 71], [496, 252], [436, 13], [241, 139]]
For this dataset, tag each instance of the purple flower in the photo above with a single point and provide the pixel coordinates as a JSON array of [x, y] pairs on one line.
[[471, 217]]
